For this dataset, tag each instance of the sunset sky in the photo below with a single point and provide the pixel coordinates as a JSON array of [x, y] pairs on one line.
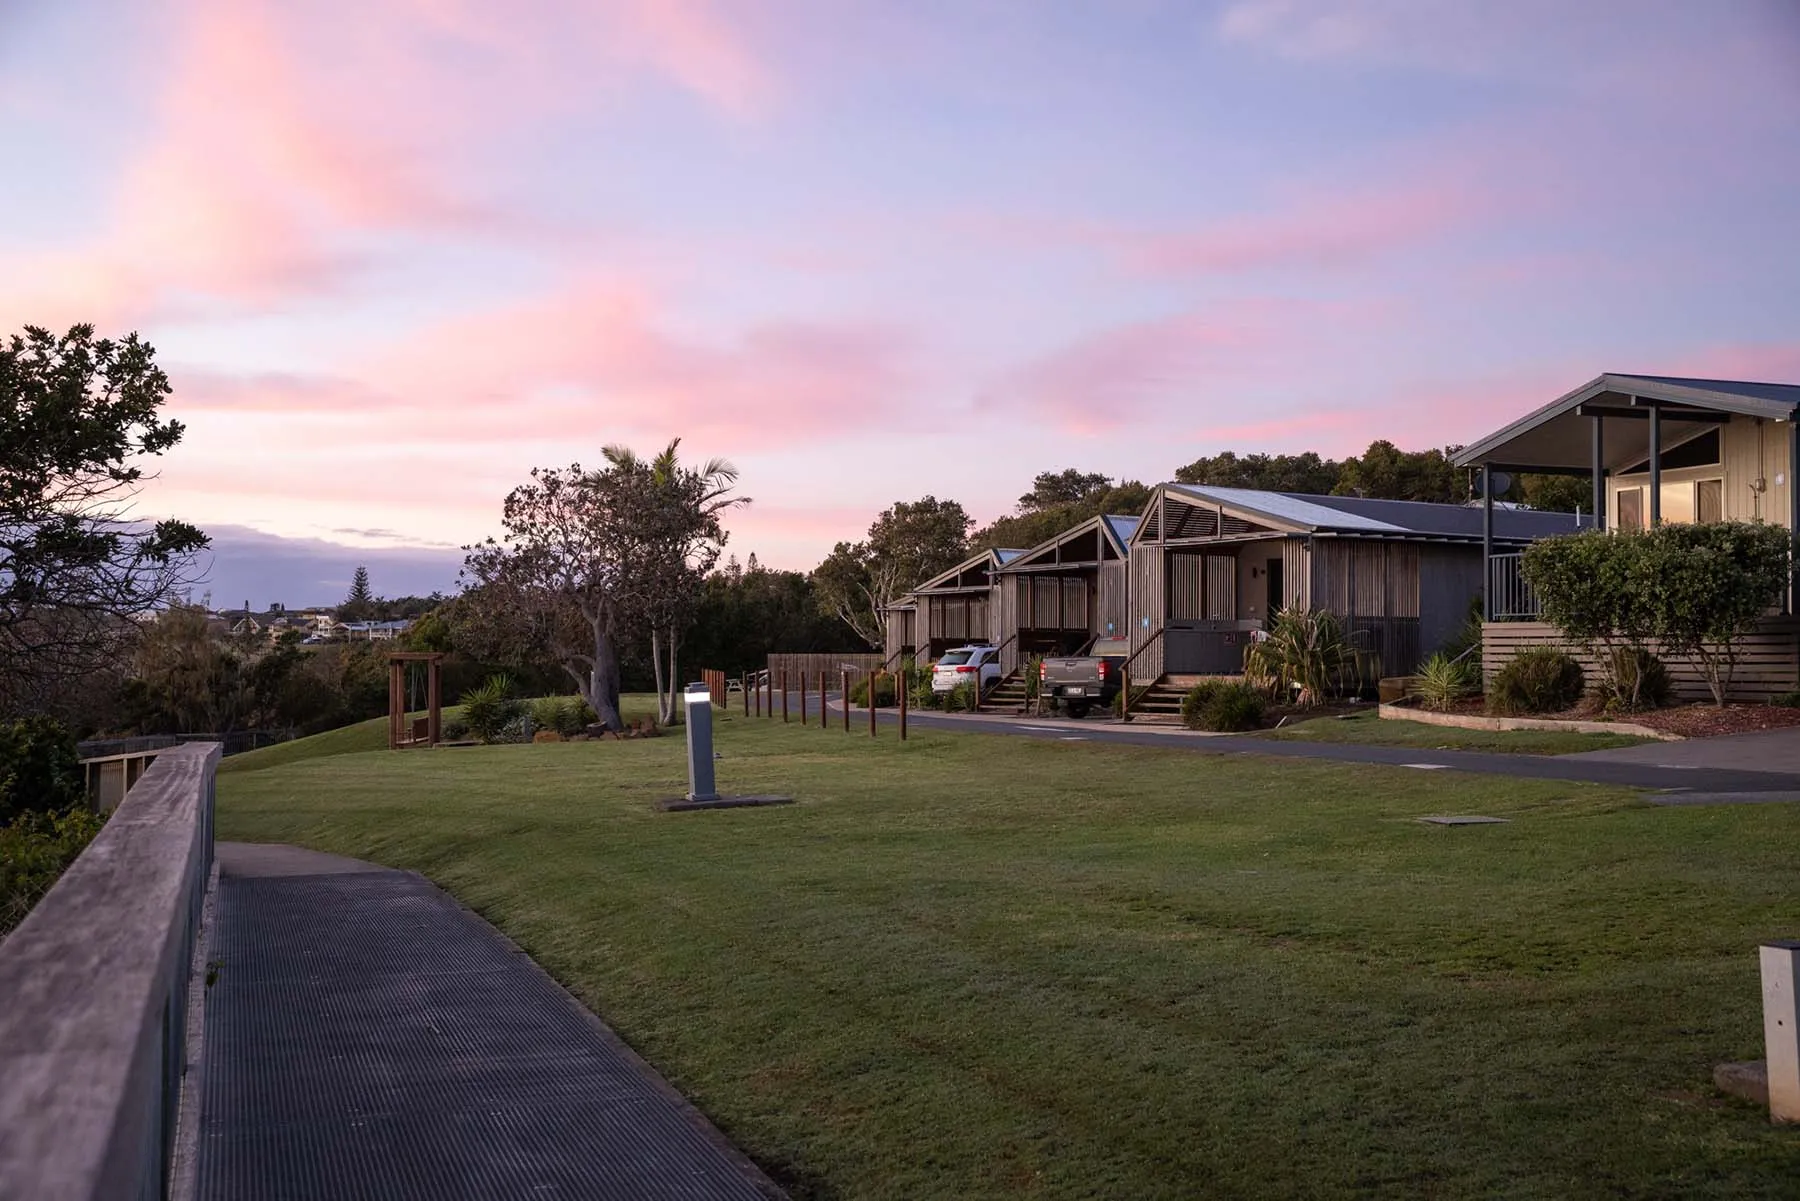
[[394, 253]]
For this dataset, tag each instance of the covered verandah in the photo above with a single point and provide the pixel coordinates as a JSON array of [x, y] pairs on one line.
[[1655, 449]]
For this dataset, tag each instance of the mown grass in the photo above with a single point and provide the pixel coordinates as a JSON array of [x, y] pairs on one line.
[[371, 735], [993, 967], [1387, 731]]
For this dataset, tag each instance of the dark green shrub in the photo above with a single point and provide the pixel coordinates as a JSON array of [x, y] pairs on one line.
[[1540, 680], [1442, 681], [34, 850], [491, 707], [567, 715], [455, 729], [884, 692], [40, 768], [576, 716], [1222, 706], [1638, 680], [960, 699], [1788, 700]]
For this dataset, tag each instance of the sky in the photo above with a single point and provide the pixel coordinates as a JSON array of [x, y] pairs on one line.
[[395, 253]]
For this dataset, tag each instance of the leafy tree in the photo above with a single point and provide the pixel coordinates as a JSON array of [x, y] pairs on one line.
[[76, 415], [1584, 587], [1052, 489], [907, 544], [559, 581], [1386, 472], [676, 514], [1706, 586], [359, 605], [1041, 516], [746, 613], [40, 768], [1555, 493], [1305, 472]]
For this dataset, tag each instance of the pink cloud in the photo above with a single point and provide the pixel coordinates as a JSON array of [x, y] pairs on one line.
[[1134, 373]]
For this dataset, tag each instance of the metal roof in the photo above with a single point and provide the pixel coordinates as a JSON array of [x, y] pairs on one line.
[[1122, 528], [1368, 517], [1558, 447], [991, 557], [1113, 527]]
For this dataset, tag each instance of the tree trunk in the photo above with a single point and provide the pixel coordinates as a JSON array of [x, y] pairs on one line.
[[603, 681], [656, 670], [674, 681]]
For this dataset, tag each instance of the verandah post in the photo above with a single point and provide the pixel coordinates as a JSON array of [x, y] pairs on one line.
[[1487, 541], [1599, 471]]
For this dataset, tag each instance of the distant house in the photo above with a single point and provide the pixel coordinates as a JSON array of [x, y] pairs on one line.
[[373, 631], [1657, 449]]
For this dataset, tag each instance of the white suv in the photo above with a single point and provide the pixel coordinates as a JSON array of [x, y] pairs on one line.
[[961, 666]]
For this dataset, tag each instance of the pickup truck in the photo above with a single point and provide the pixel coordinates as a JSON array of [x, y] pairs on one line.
[[1083, 681]]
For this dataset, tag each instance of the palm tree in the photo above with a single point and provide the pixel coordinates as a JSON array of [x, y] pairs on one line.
[[683, 536]]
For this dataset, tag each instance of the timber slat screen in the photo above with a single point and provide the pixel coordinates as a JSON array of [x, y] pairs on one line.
[[1768, 660], [808, 667]]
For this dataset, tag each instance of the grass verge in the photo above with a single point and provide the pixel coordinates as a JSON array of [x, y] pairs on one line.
[[1387, 731], [997, 967]]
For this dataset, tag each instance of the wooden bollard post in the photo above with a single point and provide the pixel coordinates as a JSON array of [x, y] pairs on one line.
[[803, 698], [1781, 1041], [845, 682], [784, 697], [744, 687], [824, 710], [901, 681], [1124, 693], [874, 681]]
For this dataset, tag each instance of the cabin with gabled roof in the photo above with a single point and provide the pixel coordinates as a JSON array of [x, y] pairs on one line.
[[1209, 566], [1060, 595], [952, 609]]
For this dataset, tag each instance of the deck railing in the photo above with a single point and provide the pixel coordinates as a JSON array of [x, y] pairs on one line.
[[94, 988], [1510, 598]]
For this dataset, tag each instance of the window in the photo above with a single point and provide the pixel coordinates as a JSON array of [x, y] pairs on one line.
[[1678, 503], [1631, 508], [1709, 501]]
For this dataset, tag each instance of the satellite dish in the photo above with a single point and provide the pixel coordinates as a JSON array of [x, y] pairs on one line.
[[1502, 481]]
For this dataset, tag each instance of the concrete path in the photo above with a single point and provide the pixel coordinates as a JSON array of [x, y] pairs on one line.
[[1768, 751], [369, 1038], [1719, 779]]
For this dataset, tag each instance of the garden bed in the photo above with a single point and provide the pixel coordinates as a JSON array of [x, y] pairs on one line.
[[1697, 720]]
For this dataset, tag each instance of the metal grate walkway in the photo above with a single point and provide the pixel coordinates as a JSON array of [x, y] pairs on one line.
[[369, 1038]]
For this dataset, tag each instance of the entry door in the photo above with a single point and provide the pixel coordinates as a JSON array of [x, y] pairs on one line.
[[1276, 597]]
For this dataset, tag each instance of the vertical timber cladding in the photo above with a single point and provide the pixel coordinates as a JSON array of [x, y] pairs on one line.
[[1202, 587], [1374, 587], [1075, 615], [1110, 615], [1009, 590], [1296, 573], [1147, 612]]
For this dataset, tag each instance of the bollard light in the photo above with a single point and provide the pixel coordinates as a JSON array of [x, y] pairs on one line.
[[1781, 1013], [700, 743]]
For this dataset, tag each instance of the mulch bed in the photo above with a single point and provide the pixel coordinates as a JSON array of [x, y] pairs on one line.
[[1693, 720]]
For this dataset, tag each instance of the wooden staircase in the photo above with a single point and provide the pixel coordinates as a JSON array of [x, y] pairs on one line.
[[1009, 694], [1159, 702]]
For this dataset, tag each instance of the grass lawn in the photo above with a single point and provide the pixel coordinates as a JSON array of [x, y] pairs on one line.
[[982, 966], [1387, 731]]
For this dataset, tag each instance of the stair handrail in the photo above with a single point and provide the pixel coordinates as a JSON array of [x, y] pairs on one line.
[[1125, 672]]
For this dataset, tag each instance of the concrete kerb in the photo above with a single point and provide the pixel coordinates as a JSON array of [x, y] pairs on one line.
[[1473, 721]]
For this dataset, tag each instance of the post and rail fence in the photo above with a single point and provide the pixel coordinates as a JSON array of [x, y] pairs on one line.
[[94, 996]]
